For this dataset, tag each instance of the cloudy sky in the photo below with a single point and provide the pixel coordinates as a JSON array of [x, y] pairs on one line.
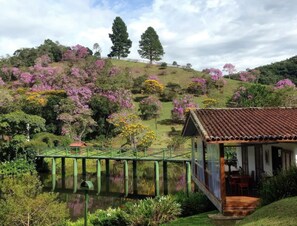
[[205, 33]]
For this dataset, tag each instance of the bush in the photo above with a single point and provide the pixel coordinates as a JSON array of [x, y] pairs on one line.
[[152, 211], [138, 83], [163, 65], [150, 107], [280, 186], [193, 204], [109, 217]]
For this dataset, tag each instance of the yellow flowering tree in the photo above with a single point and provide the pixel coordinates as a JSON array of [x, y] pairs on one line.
[[129, 126], [152, 86]]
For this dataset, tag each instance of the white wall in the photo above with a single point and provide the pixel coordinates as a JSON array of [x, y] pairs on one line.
[[286, 146]]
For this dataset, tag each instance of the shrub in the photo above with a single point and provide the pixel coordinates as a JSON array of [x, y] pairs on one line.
[[209, 103], [16, 168], [193, 204], [163, 65], [177, 141], [152, 211], [109, 217], [171, 91], [181, 106], [198, 86], [150, 107], [153, 87], [280, 186], [138, 83]]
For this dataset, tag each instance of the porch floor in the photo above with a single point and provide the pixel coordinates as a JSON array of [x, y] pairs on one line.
[[240, 205]]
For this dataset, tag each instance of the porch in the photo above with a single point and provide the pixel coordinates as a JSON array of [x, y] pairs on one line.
[[240, 205], [260, 146]]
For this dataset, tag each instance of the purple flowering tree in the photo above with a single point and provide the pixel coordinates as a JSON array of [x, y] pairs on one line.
[[229, 68], [217, 78], [75, 53], [285, 83], [198, 86], [182, 105]]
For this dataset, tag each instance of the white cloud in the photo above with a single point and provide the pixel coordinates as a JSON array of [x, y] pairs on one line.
[[205, 33]]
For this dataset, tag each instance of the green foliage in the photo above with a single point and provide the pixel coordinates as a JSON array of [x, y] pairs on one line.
[[16, 168], [109, 217], [255, 95], [23, 203], [176, 141], [274, 72], [283, 185], [150, 107], [52, 140], [171, 91], [138, 83], [163, 65], [152, 211], [120, 39], [194, 203], [150, 46], [102, 108], [16, 123]]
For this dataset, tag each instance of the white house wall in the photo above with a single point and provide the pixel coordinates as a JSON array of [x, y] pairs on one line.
[[286, 146]]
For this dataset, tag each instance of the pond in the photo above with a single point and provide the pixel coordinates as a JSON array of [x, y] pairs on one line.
[[112, 188]]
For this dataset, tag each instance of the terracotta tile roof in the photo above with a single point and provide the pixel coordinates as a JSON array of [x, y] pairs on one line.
[[78, 144], [247, 124]]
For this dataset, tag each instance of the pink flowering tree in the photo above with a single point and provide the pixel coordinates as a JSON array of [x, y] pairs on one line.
[[229, 68], [181, 106], [43, 60], [9, 73], [217, 78], [198, 86], [75, 53], [246, 76], [285, 83], [122, 97], [150, 107]]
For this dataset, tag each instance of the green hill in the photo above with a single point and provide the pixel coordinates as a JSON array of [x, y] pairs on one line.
[[272, 73]]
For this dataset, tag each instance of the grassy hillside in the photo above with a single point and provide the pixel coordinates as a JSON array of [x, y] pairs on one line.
[[282, 212], [183, 78]]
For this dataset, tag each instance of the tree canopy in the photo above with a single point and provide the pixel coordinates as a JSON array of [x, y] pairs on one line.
[[120, 39], [150, 46]]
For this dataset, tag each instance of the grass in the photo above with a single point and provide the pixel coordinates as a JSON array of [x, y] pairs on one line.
[[282, 212], [200, 219], [175, 75]]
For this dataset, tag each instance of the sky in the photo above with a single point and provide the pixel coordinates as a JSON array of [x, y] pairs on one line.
[[204, 33]]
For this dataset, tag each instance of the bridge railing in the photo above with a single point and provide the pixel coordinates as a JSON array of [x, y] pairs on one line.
[[100, 152]]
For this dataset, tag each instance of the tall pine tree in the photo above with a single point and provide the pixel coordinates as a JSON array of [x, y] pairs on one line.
[[120, 39], [150, 45]]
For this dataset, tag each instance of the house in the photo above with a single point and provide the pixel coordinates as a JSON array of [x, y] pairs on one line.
[[77, 146], [263, 140]]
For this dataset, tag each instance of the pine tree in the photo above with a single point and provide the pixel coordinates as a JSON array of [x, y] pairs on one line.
[[150, 45], [120, 39]]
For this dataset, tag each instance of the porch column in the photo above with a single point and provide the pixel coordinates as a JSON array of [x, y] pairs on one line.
[[222, 176]]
